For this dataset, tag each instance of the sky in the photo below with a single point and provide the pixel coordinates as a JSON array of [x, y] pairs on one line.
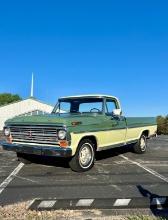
[[110, 47]]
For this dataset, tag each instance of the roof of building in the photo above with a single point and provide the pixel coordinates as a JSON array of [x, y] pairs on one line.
[[25, 100]]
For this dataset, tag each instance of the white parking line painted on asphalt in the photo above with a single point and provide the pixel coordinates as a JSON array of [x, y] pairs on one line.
[[47, 204], [149, 170], [6, 182], [27, 179], [122, 202], [84, 202], [158, 201]]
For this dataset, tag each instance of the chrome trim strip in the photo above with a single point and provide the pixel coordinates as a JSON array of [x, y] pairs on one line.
[[116, 145]]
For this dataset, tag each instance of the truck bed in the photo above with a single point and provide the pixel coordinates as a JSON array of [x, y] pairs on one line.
[[133, 122]]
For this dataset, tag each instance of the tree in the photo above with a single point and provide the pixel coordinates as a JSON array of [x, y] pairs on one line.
[[166, 124], [162, 123], [6, 98]]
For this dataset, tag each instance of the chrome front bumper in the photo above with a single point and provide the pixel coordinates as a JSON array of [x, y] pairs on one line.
[[38, 150]]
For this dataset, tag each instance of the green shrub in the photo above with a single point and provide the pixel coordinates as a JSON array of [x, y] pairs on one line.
[[162, 123]]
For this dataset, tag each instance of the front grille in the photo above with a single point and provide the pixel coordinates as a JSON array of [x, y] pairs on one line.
[[35, 134]]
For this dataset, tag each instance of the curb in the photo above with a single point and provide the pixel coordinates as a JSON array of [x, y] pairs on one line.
[[107, 203]]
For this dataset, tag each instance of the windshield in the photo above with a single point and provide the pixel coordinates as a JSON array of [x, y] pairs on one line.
[[79, 105]]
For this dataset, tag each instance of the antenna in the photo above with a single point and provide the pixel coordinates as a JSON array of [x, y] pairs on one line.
[[32, 86]]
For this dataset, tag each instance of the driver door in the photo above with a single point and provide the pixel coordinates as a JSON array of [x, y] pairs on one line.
[[116, 126]]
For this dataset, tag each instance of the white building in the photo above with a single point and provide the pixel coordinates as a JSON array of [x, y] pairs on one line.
[[30, 106]]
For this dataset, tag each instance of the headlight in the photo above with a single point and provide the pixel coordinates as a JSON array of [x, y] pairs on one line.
[[61, 134], [7, 132]]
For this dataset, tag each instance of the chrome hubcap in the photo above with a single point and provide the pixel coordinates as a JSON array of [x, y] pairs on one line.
[[86, 155]]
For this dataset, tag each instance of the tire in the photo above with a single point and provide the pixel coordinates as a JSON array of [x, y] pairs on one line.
[[84, 157], [141, 146], [22, 158]]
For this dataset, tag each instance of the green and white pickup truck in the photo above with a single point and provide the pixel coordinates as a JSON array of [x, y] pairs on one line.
[[78, 127]]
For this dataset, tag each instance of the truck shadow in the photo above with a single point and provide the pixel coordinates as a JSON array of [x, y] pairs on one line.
[[157, 204], [64, 162], [105, 154], [49, 161]]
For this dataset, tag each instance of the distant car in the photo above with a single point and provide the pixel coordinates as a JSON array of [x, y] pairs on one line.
[[78, 127]]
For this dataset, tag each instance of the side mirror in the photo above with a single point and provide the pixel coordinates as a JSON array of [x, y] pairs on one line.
[[116, 112]]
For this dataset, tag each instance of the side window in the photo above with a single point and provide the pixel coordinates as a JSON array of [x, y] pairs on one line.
[[110, 106]]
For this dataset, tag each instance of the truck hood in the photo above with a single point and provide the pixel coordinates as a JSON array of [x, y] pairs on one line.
[[57, 119]]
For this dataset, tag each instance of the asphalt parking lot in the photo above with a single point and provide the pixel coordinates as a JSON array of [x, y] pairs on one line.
[[117, 173]]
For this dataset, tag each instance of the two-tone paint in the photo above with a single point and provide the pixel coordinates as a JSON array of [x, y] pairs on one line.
[[107, 131]]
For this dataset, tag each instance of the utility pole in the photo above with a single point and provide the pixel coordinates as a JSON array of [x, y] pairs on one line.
[[32, 86]]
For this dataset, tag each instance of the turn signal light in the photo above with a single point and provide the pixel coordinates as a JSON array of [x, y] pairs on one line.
[[9, 139], [63, 143]]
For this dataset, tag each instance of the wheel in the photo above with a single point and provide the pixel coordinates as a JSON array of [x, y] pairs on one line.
[[141, 145], [22, 158], [84, 157]]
